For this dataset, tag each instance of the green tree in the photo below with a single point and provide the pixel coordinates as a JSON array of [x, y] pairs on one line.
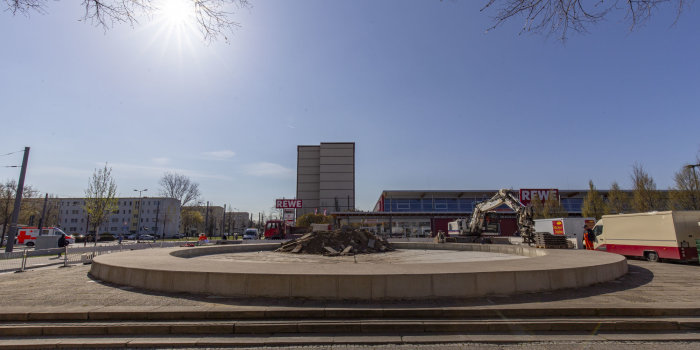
[[618, 201], [686, 194], [191, 218], [537, 207], [593, 204], [645, 196], [310, 218], [553, 209], [100, 198]]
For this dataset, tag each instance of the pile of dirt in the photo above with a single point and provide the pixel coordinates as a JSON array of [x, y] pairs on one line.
[[338, 242]]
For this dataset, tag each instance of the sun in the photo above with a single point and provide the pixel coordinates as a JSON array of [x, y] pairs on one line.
[[174, 24], [176, 12]]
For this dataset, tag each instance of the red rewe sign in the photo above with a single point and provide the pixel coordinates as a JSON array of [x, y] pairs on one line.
[[288, 204], [526, 194]]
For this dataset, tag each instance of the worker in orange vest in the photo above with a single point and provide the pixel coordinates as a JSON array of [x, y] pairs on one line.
[[588, 238]]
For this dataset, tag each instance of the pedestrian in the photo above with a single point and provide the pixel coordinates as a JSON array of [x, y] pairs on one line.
[[120, 239], [62, 242]]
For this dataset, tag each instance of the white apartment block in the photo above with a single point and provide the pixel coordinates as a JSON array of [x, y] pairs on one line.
[[147, 215]]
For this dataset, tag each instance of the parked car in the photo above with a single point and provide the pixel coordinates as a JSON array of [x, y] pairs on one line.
[[132, 236], [179, 235], [251, 233], [90, 237], [147, 238]]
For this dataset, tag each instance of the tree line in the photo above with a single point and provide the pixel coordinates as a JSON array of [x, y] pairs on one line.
[[645, 196]]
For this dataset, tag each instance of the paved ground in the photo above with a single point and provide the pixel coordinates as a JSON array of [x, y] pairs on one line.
[[526, 346], [402, 256], [647, 284]]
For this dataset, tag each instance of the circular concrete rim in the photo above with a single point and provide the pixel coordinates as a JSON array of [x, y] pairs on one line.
[[170, 270]]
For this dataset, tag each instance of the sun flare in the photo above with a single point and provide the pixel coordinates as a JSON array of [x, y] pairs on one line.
[[176, 12]]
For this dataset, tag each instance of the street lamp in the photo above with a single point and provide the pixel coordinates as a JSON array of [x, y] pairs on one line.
[[138, 218], [235, 210]]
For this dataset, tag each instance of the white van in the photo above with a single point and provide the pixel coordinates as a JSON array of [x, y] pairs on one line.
[[251, 233], [673, 235]]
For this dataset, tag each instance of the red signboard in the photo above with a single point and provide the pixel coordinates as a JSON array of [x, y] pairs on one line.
[[288, 204], [557, 227], [526, 194]]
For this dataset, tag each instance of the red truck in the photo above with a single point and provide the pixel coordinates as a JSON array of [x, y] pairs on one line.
[[276, 229]]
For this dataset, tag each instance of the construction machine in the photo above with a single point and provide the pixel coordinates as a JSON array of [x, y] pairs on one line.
[[473, 228]]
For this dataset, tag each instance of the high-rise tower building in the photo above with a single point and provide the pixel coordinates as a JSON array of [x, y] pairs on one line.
[[326, 177]]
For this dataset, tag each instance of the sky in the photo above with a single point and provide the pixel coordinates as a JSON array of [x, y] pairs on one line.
[[432, 99]]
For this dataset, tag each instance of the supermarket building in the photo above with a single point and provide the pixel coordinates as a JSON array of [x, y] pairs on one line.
[[419, 213]]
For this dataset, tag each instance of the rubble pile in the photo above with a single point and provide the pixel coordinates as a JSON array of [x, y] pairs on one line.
[[338, 242]]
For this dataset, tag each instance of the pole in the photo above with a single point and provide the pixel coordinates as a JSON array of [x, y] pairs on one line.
[[18, 203], [223, 221], [206, 220], [43, 213], [157, 217]]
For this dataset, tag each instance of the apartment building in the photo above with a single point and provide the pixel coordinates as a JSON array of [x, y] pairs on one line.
[[147, 215]]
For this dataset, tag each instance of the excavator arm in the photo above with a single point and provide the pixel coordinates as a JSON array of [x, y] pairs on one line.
[[526, 225]]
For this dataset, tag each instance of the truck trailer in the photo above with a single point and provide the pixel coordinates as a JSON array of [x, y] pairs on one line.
[[572, 228], [673, 235]]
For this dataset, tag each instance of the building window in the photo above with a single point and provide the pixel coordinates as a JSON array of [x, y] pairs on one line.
[[74, 229], [440, 204]]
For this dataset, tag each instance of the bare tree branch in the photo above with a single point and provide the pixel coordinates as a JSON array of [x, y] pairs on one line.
[[211, 15], [559, 17], [180, 187]]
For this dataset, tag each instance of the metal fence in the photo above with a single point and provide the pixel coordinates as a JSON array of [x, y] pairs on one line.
[[27, 258]]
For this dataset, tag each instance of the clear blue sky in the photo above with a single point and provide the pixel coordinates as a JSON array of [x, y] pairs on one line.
[[431, 100]]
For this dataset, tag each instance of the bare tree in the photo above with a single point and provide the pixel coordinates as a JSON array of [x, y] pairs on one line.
[[537, 207], [180, 187], [100, 198], [211, 15], [618, 201], [686, 194], [552, 208], [645, 196], [561, 16], [593, 203], [8, 191]]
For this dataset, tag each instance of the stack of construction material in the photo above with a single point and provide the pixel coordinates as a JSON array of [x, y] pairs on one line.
[[549, 241], [338, 242]]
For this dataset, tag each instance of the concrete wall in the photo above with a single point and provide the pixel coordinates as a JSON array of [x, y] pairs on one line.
[[170, 270]]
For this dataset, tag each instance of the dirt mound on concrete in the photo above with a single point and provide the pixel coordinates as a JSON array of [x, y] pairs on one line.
[[338, 242]]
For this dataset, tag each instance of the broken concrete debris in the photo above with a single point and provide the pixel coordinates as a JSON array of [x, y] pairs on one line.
[[339, 242]]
